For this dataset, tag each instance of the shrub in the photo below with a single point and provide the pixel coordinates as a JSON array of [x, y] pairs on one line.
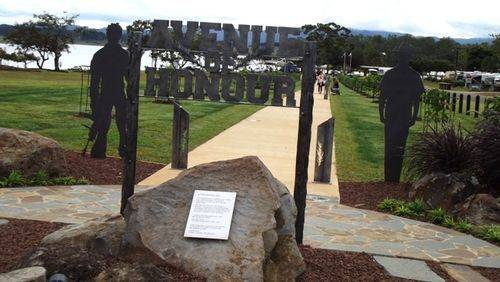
[[390, 204], [486, 139], [436, 106], [446, 151], [15, 179], [489, 232], [448, 221], [40, 179], [436, 215], [69, 181], [404, 210], [463, 225], [417, 207]]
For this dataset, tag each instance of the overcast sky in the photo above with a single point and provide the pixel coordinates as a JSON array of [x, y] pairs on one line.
[[454, 18]]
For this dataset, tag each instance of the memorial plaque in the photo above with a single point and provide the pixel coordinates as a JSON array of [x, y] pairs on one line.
[[210, 215]]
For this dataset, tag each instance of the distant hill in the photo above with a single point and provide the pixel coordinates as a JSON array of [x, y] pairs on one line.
[[462, 41], [96, 35]]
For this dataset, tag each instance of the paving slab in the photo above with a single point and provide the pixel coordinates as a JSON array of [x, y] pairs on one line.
[[408, 269], [271, 135], [329, 225], [463, 273]]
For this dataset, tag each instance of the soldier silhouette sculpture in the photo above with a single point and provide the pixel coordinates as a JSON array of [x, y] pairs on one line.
[[109, 68], [401, 88]]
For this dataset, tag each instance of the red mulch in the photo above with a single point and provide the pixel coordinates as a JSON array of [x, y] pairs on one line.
[[19, 237], [367, 195], [327, 265], [105, 171]]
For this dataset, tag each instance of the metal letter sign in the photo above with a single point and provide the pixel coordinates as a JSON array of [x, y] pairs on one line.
[[216, 53]]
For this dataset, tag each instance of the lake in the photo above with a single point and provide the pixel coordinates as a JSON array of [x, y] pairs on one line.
[[78, 55]]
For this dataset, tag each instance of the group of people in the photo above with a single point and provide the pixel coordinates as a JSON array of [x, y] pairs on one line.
[[322, 80]]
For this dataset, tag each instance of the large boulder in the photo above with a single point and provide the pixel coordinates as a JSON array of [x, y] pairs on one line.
[[149, 244], [439, 190], [479, 209], [261, 244], [29, 153]]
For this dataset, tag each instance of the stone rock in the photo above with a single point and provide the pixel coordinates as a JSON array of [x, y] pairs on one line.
[[480, 209], [261, 243], [79, 251], [444, 190], [29, 274], [28, 153], [133, 272]]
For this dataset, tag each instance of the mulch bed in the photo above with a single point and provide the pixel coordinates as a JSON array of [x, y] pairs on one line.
[[105, 171], [367, 195], [327, 265], [19, 237]]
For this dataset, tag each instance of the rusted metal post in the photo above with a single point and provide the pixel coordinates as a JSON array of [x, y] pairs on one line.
[[132, 119], [180, 137], [324, 148], [304, 136]]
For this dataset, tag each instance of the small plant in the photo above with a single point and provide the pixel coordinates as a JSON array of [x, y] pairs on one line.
[[489, 232], [436, 215], [417, 207], [448, 221], [15, 179], [404, 210], [390, 204], [463, 225], [39, 179], [69, 181]]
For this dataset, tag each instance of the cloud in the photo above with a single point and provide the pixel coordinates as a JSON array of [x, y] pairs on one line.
[[456, 18]]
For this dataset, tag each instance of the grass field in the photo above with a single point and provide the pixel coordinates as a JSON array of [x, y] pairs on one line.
[[47, 103], [359, 136]]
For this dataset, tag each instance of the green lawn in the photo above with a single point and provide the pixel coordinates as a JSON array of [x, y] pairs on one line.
[[47, 103], [359, 136]]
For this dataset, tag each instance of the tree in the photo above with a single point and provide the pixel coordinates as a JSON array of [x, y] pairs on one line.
[[331, 39], [45, 34], [55, 30], [27, 38]]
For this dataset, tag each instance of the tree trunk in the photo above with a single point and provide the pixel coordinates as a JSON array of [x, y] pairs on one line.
[[56, 61]]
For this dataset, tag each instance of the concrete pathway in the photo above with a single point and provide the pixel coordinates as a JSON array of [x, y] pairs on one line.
[[328, 225], [271, 135]]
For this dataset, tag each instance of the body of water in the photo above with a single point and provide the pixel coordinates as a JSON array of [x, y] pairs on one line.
[[79, 55]]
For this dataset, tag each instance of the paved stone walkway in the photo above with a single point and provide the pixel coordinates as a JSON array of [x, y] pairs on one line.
[[338, 227], [328, 224], [271, 135]]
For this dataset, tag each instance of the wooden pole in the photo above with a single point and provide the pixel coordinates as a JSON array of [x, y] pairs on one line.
[[180, 137], [132, 119], [304, 136]]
